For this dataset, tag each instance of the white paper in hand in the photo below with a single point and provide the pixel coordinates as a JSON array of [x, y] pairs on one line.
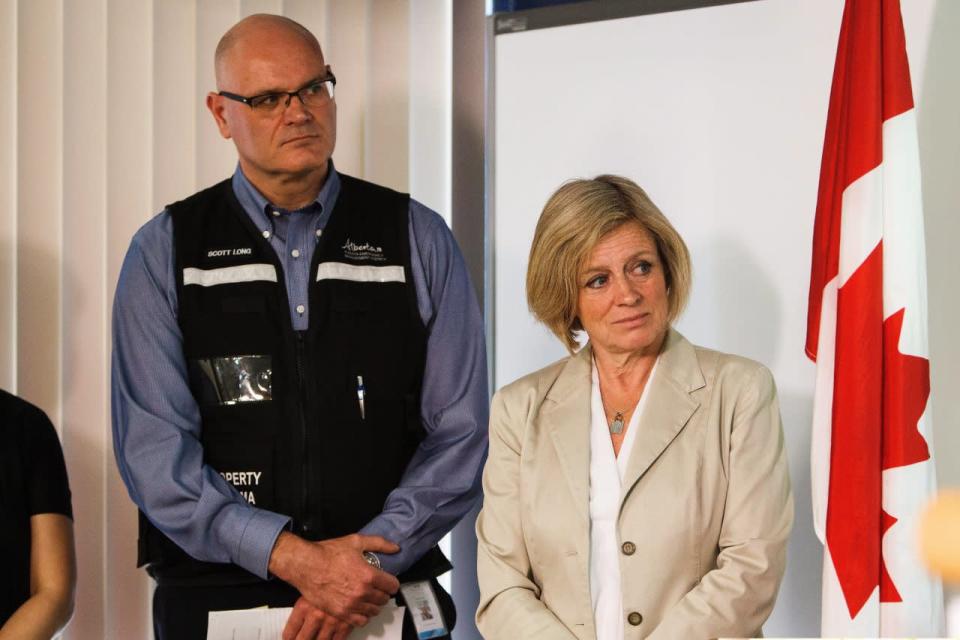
[[267, 624], [386, 625]]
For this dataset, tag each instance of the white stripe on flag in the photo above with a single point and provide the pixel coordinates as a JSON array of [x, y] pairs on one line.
[[359, 273], [822, 430], [904, 250], [861, 225], [230, 275]]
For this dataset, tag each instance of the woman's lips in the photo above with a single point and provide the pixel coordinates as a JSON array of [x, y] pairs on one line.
[[636, 319]]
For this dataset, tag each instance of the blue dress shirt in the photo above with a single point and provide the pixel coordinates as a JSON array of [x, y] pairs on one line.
[[156, 421]]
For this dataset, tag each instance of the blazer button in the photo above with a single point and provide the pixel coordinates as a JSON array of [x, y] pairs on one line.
[[634, 618], [628, 548]]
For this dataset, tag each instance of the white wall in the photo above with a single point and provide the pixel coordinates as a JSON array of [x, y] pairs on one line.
[[102, 122], [719, 113]]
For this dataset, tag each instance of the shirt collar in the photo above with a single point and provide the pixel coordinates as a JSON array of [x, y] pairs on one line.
[[256, 205]]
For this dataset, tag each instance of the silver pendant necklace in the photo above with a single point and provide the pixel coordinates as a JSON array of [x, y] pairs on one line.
[[617, 425]]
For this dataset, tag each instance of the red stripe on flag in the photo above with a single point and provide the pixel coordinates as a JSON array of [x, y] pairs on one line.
[[853, 511], [897, 88], [871, 83]]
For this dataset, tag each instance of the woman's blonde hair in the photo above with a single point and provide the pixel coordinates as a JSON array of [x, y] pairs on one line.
[[573, 221]]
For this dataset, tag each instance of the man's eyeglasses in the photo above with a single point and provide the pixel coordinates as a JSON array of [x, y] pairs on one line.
[[315, 93]]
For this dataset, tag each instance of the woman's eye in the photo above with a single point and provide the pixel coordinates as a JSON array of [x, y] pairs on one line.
[[596, 282], [643, 267]]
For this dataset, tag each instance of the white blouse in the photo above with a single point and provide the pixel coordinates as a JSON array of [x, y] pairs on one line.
[[606, 474]]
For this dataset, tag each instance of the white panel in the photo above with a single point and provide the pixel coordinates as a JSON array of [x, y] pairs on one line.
[[430, 103], [176, 101], [129, 205], [937, 89], [310, 13], [386, 154], [39, 143], [719, 113], [8, 195], [86, 434], [216, 158], [248, 7], [346, 52], [728, 143]]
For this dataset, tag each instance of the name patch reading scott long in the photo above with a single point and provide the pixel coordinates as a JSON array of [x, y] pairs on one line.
[[217, 253], [242, 480]]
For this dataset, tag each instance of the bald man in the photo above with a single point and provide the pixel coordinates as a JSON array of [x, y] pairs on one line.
[[299, 381]]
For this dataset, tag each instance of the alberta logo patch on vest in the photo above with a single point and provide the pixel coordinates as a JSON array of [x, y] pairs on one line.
[[362, 251]]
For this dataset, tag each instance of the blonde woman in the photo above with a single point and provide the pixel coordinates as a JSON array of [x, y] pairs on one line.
[[639, 487]]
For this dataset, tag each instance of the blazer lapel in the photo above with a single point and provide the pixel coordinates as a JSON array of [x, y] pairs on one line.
[[568, 417], [668, 407]]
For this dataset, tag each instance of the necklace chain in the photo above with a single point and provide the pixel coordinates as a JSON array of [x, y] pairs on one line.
[[616, 426]]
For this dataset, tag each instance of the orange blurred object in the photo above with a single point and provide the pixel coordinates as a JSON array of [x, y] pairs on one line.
[[940, 535]]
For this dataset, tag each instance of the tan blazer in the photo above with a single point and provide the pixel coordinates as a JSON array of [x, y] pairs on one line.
[[704, 518]]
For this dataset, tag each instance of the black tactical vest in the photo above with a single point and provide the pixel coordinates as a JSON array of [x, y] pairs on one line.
[[281, 413]]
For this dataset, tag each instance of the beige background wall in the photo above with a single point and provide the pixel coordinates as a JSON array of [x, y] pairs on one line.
[[101, 123]]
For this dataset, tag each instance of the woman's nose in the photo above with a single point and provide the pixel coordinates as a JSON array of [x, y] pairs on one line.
[[626, 292]]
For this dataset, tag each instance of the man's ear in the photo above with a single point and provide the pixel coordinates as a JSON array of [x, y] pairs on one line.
[[216, 106]]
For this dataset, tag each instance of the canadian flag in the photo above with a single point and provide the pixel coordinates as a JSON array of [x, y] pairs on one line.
[[872, 463]]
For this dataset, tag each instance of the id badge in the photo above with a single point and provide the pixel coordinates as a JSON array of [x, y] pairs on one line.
[[422, 605]]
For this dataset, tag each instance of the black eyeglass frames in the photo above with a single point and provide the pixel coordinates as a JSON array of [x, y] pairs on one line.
[[315, 93]]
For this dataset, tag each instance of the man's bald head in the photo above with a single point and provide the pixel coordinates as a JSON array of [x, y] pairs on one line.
[[250, 30]]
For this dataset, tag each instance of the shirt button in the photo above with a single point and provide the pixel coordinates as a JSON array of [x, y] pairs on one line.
[[629, 548], [295, 253], [634, 618], [301, 309], [266, 234], [319, 232], [275, 213]]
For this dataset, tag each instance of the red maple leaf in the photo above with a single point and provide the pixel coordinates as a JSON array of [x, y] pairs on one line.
[[879, 396], [906, 387], [888, 590]]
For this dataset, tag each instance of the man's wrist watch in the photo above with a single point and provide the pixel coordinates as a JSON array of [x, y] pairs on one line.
[[371, 559]]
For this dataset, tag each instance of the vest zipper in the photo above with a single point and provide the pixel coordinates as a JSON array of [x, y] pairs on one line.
[[305, 467]]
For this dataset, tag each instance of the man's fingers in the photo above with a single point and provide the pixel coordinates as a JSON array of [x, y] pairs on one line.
[[365, 609], [378, 597], [311, 626], [385, 582], [342, 631], [294, 622], [334, 629], [328, 629], [378, 544], [356, 620]]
